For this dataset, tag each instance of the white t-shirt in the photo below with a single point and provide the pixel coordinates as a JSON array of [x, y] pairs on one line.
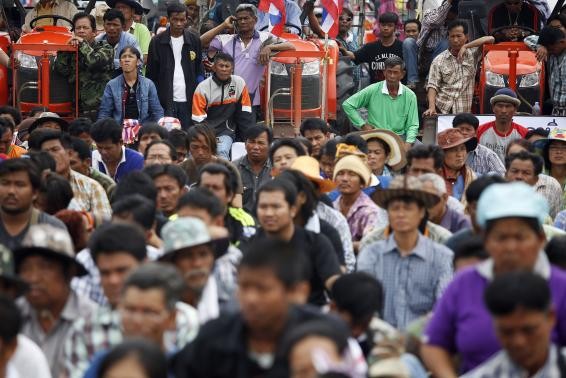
[[29, 360], [179, 94]]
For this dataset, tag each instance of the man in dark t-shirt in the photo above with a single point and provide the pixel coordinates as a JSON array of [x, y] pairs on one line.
[[376, 53], [511, 13]]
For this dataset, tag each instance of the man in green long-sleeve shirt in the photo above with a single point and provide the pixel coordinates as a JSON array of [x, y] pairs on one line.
[[390, 104]]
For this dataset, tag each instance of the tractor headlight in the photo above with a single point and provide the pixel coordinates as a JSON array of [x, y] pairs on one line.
[[25, 60], [494, 79], [278, 69], [311, 68], [529, 80]]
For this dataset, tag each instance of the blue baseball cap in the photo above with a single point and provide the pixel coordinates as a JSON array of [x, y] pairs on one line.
[[511, 200]]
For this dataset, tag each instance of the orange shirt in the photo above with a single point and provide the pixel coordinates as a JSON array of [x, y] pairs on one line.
[[16, 151]]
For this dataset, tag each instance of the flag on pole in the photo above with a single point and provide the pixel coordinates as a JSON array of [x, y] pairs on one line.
[[276, 14], [331, 10]]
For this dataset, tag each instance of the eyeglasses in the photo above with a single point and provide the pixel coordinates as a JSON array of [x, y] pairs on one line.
[[557, 148]]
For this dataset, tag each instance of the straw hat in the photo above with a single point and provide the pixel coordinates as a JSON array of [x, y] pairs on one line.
[[404, 186], [397, 159], [453, 137], [310, 167]]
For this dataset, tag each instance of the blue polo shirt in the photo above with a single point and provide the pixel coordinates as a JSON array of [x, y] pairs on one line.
[[131, 161]]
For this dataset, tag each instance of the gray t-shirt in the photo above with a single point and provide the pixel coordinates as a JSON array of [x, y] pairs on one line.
[[13, 242]]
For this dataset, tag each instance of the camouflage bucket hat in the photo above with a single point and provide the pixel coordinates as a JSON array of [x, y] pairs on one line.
[[8, 272]]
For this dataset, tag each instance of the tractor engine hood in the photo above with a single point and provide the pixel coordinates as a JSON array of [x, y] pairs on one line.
[[498, 62], [50, 35]]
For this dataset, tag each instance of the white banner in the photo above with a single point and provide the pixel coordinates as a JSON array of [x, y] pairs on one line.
[[530, 122]]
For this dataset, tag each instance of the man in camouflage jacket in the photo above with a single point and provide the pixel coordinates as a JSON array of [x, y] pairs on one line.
[[96, 64]]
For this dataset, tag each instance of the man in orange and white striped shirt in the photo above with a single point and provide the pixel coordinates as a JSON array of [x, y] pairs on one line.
[[223, 102]]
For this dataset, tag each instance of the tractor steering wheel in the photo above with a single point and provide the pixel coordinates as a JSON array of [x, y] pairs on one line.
[[286, 25], [55, 18], [495, 31]]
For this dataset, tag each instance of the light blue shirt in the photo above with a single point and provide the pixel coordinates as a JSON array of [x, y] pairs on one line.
[[411, 284], [126, 39], [293, 17]]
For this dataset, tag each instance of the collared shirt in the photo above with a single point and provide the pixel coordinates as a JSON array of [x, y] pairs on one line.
[[484, 161], [550, 188], [142, 35], [560, 220], [339, 222], [557, 82], [411, 283], [58, 7], [101, 330], [52, 343], [246, 63], [131, 161], [252, 181], [454, 81], [433, 231], [89, 195], [363, 216], [433, 28], [502, 366], [106, 181], [455, 221], [398, 114], [126, 39]]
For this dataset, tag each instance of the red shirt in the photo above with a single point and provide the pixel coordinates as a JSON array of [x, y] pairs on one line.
[[496, 141]]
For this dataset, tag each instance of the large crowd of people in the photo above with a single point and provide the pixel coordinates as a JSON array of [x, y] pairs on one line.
[[136, 241]]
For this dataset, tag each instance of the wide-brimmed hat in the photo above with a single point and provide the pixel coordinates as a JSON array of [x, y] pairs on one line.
[[98, 12], [505, 95], [388, 367], [355, 164], [49, 116], [310, 167], [453, 137], [138, 8], [8, 271], [397, 159], [50, 241], [554, 134], [404, 186], [188, 232]]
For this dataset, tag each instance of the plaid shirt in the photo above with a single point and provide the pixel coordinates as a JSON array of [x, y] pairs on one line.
[[433, 28], [89, 195], [102, 331], [454, 82], [363, 216], [557, 82], [484, 161], [550, 188], [560, 220]]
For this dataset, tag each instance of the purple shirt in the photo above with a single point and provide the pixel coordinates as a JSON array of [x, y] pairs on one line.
[[462, 325], [246, 60], [363, 216], [455, 221]]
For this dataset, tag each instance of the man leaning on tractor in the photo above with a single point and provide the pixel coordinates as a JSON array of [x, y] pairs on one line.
[[96, 64]]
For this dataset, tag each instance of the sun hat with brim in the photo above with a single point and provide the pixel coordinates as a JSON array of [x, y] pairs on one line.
[[310, 167], [556, 133], [355, 164], [388, 367], [397, 159], [138, 8], [49, 116], [511, 200], [188, 232], [8, 272], [505, 95], [453, 137], [49, 241], [404, 186]]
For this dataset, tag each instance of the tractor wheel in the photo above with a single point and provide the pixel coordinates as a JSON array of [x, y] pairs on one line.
[[344, 88]]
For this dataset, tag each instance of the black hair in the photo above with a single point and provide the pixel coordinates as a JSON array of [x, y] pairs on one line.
[[524, 155], [520, 142], [256, 130], [111, 238], [112, 14], [457, 23], [313, 124], [106, 129], [549, 36], [388, 18], [154, 275], [57, 191], [480, 184], [384, 145], [136, 182], [538, 131], [302, 185], [202, 198], [326, 327], [358, 294], [329, 149], [524, 290], [81, 148], [148, 355], [224, 57], [287, 142], [289, 265], [546, 152], [467, 118], [171, 170], [472, 247], [49, 135], [90, 17], [394, 61], [36, 137], [178, 138], [175, 8], [15, 113], [426, 151], [141, 209], [556, 251], [347, 11], [357, 141], [207, 132], [22, 165], [5, 126], [560, 17], [42, 160], [10, 320], [306, 144], [132, 50], [153, 128], [532, 223], [230, 181], [172, 150], [80, 126], [413, 21], [279, 185]]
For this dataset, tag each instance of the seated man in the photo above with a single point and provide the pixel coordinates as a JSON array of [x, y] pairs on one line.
[[513, 13], [50, 8], [224, 102]]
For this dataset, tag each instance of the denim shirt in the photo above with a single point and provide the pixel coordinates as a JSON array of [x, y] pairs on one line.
[[146, 95]]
